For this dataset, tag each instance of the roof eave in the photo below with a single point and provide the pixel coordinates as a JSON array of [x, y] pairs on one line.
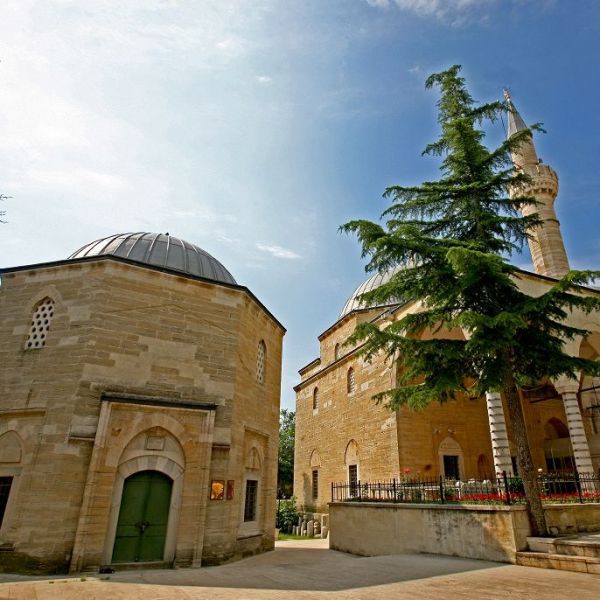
[[134, 263]]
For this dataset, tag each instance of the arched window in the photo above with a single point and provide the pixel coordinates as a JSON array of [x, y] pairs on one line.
[[316, 398], [315, 465], [261, 360], [350, 381], [40, 323], [351, 462], [336, 352]]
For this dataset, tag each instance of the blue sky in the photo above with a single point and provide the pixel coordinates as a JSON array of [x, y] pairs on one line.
[[255, 128]]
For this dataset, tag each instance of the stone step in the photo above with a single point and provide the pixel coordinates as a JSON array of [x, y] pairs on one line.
[[582, 545], [562, 562]]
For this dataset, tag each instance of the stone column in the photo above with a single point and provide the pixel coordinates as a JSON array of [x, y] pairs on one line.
[[568, 389], [500, 447]]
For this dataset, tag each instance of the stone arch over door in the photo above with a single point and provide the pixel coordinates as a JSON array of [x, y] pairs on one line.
[[451, 459], [168, 459], [253, 460], [315, 460], [351, 453], [11, 448]]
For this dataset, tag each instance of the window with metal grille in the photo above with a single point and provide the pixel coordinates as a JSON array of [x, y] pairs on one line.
[[40, 323], [315, 484], [353, 479], [5, 484], [351, 381], [316, 398], [261, 359], [250, 500]]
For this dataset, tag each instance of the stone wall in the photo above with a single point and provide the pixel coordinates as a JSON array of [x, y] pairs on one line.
[[572, 518], [388, 444], [132, 331], [482, 532], [324, 434]]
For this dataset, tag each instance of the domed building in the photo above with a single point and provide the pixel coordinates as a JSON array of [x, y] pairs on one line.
[[343, 436], [140, 405]]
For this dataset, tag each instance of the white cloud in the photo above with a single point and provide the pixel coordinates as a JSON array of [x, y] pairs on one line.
[[455, 11], [263, 79], [278, 251]]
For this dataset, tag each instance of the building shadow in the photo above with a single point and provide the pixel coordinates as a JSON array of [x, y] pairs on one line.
[[310, 569]]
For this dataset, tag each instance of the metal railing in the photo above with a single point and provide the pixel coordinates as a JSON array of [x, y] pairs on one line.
[[501, 489]]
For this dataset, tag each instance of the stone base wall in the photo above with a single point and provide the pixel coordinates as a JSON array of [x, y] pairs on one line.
[[572, 518], [483, 532], [12, 561]]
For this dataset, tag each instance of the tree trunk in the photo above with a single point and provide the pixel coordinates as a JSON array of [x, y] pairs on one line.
[[527, 470]]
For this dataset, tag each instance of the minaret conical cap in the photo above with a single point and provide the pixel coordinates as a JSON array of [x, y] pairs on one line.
[[526, 154], [515, 121]]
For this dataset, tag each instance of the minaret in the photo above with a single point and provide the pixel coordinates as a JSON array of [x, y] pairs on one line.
[[546, 244]]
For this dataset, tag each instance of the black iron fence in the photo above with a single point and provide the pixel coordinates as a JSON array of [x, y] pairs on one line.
[[502, 489]]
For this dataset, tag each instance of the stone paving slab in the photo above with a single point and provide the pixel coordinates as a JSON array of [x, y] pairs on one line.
[[309, 570]]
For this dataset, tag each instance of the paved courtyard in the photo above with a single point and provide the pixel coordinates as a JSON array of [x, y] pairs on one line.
[[308, 569]]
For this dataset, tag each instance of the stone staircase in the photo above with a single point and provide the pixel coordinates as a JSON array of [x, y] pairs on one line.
[[579, 553]]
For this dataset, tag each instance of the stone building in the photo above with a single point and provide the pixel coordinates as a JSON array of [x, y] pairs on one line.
[[139, 404], [343, 436]]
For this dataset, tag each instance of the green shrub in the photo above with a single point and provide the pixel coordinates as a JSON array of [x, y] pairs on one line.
[[515, 485], [287, 515]]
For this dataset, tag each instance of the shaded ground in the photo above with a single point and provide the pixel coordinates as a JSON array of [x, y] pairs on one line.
[[308, 569]]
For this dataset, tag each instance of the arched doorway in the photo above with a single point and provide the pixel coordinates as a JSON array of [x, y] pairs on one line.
[[143, 517], [557, 447], [451, 459], [483, 467]]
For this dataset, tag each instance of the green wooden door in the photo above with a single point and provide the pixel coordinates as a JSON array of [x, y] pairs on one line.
[[142, 524]]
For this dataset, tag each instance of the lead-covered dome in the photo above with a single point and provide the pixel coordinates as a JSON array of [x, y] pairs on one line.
[[354, 303], [159, 250]]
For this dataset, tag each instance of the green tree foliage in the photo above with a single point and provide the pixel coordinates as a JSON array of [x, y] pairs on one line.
[[452, 237], [287, 515], [287, 432]]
